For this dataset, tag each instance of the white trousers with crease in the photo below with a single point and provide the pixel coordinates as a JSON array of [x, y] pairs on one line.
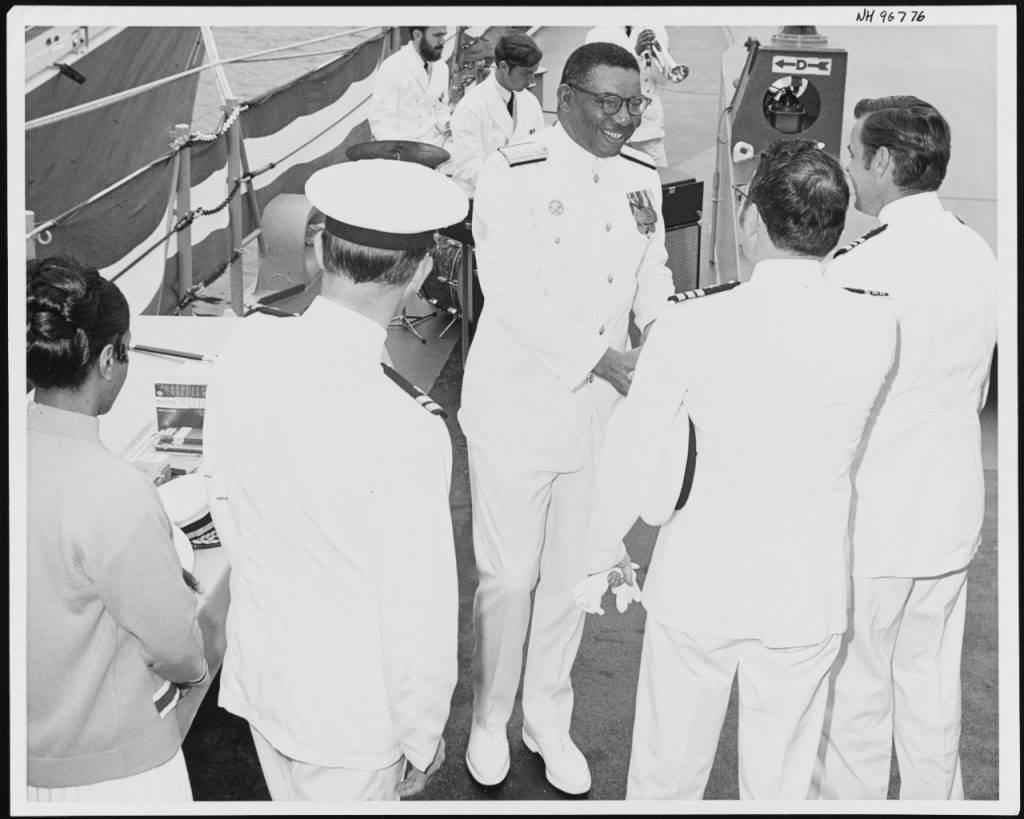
[[529, 530], [681, 700], [898, 677]]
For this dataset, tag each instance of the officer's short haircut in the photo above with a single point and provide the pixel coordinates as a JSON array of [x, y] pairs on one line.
[[588, 57], [517, 50], [916, 135], [370, 264], [801, 195]]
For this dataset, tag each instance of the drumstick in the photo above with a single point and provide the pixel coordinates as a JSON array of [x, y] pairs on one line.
[[142, 348]]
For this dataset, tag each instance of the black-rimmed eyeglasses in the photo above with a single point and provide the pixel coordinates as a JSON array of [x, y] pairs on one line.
[[612, 103]]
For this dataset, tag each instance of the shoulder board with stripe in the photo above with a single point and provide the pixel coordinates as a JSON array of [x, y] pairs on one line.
[[867, 292], [421, 397], [703, 291], [639, 157], [860, 241], [524, 153]]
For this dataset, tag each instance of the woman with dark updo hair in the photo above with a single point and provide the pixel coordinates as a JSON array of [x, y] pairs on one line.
[[111, 623]]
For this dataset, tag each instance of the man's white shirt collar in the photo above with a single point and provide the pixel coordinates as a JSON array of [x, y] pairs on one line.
[[503, 92], [363, 337], [913, 207], [787, 272], [579, 157]]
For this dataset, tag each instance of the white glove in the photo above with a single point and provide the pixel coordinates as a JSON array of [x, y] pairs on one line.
[[624, 592], [588, 593]]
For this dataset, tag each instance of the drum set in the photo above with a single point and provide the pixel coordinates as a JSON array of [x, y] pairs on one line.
[[451, 251]]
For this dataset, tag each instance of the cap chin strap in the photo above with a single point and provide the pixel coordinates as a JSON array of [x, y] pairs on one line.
[[378, 238]]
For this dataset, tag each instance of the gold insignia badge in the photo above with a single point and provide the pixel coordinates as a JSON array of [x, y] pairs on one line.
[[556, 208], [644, 215]]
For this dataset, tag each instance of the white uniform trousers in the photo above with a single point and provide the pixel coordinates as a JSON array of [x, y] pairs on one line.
[[898, 676], [291, 780], [681, 700], [164, 783], [527, 523]]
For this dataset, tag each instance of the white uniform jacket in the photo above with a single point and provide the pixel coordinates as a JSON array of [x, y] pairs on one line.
[[481, 125], [407, 103], [778, 377], [563, 256], [342, 629], [652, 125], [920, 489]]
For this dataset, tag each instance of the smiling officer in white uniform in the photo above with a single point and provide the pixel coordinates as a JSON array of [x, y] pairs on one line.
[[569, 237], [497, 111], [749, 579], [920, 491], [329, 481], [650, 136], [410, 94]]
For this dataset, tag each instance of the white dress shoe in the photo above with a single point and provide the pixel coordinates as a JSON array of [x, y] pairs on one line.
[[564, 764], [487, 755]]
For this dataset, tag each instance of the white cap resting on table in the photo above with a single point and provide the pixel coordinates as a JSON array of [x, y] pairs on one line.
[[185, 502]]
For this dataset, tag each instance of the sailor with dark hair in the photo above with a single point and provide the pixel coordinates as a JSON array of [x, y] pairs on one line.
[[410, 93], [749, 578], [329, 479], [111, 623], [920, 492], [569, 238], [498, 110]]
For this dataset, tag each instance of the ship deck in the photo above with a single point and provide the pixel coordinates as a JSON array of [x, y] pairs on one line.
[[219, 751]]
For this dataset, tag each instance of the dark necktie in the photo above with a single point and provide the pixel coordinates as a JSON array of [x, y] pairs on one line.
[[511, 102]]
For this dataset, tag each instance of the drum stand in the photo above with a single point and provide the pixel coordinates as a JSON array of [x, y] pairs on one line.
[[403, 319], [451, 311]]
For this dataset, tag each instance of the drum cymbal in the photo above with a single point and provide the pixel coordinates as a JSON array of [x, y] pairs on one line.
[[401, 149]]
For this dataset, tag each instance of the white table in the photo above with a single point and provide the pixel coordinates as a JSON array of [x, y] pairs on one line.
[[133, 418]]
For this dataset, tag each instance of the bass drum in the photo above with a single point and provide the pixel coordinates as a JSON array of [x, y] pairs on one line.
[[441, 286], [441, 292]]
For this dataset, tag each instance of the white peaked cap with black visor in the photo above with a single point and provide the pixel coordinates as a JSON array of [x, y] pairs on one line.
[[386, 203]]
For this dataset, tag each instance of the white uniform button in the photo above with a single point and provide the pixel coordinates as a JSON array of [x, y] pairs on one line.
[[597, 177], [590, 378], [601, 331], [607, 225], [610, 278], [557, 239]]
